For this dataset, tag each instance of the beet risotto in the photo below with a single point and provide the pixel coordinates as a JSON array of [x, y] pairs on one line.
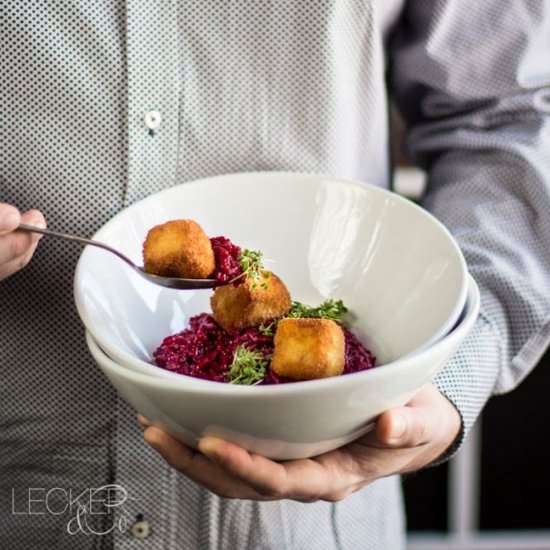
[[205, 350]]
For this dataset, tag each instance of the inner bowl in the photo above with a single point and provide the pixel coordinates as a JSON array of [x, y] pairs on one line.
[[395, 266]]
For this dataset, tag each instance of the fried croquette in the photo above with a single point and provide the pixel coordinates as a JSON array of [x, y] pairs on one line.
[[250, 303], [178, 248], [306, 349]]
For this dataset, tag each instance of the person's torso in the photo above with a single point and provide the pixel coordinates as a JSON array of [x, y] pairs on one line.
[[240, 86]]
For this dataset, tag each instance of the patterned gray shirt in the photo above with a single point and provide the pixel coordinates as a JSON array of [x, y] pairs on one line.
[[252, 85]]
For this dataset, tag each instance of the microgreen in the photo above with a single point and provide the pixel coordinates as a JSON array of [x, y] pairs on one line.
[[333, 310], [269, 329], [251, 262], [248, 367]]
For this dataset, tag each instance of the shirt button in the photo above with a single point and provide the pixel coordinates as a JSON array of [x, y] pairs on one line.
[[141, 530], [152, 119]]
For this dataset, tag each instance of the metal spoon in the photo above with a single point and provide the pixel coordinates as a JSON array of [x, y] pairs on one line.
[[169, 282]]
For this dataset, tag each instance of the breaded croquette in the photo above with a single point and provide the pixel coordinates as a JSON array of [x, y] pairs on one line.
[[249, 304], [178, 248], [308, 348]]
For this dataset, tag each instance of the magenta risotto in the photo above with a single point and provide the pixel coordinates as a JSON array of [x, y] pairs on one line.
[[205, 350]]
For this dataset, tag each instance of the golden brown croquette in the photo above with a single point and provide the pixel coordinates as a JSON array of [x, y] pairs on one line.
[[178, 248], [249, 304], [306, 349]]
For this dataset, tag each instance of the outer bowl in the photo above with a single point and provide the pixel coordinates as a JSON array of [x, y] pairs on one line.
[[284, 421], [396, 267]]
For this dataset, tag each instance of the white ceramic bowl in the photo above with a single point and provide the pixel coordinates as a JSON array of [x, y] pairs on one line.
[[285, 421], [396, 267]]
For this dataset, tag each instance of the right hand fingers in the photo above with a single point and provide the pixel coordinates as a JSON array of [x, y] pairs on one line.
[[16, 248], [16, 264], [9, 218]]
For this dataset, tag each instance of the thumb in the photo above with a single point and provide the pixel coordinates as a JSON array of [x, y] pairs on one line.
[[405, 427]]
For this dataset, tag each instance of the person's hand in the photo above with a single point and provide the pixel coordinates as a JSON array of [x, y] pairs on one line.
[[17, 248], [405, 439]]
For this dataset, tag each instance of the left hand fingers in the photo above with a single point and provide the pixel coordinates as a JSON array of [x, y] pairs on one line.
[[405, 439], [196, 466], [145, 423], [305, 480], [233, 472]]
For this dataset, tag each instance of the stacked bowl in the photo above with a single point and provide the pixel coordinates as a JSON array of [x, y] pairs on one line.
[[396, 267]]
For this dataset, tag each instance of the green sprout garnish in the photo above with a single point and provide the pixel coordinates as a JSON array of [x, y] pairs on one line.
[[269, 329], [333, 310], [251, 262], [248, 367]]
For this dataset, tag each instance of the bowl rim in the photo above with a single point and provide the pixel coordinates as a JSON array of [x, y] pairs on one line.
[[274, 174], [443, 329], [217, 388]]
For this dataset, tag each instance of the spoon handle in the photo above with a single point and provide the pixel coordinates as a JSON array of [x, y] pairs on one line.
[[75, 238]]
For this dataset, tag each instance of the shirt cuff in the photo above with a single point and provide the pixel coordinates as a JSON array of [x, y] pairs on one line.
[[469, 378]]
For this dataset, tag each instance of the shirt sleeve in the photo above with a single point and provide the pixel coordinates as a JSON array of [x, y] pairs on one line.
[[472, 81]]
